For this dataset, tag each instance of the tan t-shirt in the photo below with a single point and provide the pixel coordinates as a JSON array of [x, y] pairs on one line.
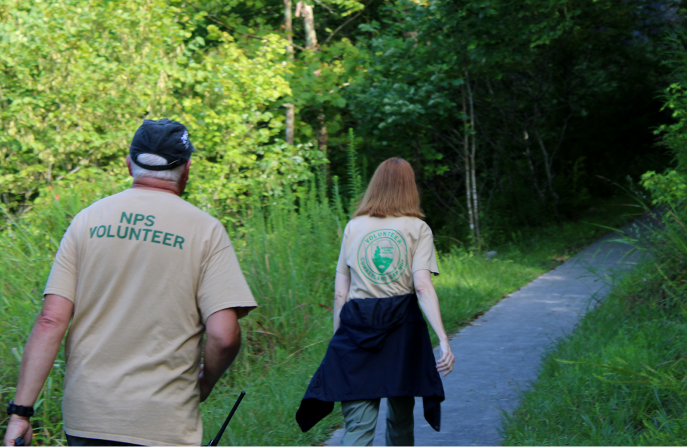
[[380, 255], [144, 269]]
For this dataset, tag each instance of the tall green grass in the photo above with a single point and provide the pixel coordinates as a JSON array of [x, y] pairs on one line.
[[288, 249], [620, 378], [28, 247]]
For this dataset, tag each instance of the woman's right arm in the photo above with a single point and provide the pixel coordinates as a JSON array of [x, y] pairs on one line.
[[341, 286], [429, 302]]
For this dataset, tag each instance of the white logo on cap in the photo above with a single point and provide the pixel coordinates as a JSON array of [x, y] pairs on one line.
[[184, 139]]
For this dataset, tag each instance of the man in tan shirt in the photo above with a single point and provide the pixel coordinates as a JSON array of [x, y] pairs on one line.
[[141, 275]]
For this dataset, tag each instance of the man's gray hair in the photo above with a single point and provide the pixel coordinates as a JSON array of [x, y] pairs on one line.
[[171, 175]]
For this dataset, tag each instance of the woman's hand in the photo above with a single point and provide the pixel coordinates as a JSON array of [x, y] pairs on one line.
[[447, 360]]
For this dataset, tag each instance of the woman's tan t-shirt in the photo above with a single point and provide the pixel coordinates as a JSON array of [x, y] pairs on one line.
[[380, 255]]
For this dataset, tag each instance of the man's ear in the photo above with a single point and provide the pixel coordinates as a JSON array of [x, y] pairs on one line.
[[184, 178], [186, 171], [128, 165]]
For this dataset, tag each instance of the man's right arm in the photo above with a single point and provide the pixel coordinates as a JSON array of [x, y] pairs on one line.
[[221, 348], [39, 355]]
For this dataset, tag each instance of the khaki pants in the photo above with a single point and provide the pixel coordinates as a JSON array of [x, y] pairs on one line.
[[361, 421]]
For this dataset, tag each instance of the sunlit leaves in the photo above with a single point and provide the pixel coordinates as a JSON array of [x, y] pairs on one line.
[[77, 79]]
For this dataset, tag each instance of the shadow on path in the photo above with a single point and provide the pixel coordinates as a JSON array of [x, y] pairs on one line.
[[499, 354]]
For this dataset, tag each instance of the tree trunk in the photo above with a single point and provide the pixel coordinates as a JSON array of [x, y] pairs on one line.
[[468, 177], [288, 28], [548, 162], [306, 11], [290, 122], [475, 195], [534, 182], [323, 142], [290, 111]]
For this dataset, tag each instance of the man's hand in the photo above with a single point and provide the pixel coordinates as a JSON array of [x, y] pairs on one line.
[[18, 427], [447, 360]]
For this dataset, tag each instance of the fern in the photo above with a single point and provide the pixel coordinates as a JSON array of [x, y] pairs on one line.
[[321, 173], [338, 204], [355, 185]]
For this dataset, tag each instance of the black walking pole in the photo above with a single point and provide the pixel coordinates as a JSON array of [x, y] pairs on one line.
[[224, 426]]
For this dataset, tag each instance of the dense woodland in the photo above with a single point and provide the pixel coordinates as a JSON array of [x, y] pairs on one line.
[[510, 111], [523, 119]]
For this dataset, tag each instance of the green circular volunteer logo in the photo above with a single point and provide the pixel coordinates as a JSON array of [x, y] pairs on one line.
[[383, 256]]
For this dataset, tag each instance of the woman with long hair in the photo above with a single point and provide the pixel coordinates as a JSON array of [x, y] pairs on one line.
[[381, 345]]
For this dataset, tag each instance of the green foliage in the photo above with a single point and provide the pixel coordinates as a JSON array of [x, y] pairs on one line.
[[75, 87], [77, 78], [317, 77], [675, 100], [249, 20], [318, 80], [551, 83], [667, 188], [619, 379], [355, 184], [29, 244], [288, 250], [670, 188]]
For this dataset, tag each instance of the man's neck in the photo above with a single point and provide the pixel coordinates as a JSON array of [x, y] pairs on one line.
[[156, 184]]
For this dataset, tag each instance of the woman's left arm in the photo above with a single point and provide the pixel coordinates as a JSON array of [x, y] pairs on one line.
[[429, 302], [341, 286]]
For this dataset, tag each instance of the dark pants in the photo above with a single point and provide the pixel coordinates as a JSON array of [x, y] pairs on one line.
[[75, 440]]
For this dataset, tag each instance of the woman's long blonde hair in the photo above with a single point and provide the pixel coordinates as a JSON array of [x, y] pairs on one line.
[[391, 192]]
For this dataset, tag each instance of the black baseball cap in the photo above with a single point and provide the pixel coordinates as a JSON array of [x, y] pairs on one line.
[[166, 138]]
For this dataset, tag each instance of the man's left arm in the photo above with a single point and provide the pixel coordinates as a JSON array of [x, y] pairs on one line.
[[221, 348], [223, 298], [39, 355]]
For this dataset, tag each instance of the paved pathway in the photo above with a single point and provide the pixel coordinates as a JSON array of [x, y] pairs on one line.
[[499, 354]]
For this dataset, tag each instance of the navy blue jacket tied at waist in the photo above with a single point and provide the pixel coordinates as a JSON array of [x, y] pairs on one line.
[[381, 349]]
